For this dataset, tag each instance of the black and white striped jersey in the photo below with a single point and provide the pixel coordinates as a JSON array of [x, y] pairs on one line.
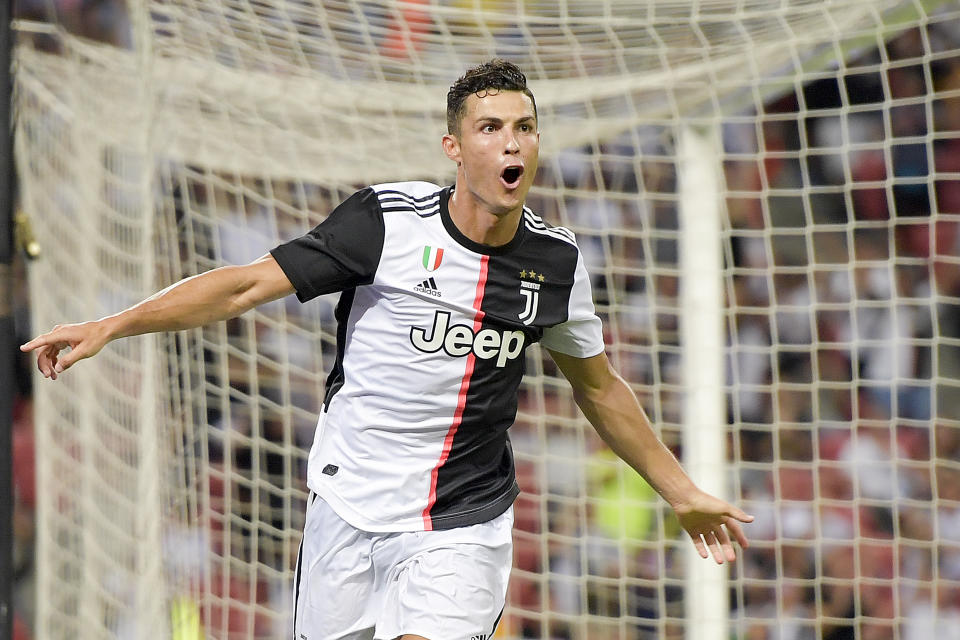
[[431, 333]]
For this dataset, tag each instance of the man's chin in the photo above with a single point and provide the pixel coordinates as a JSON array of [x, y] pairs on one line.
[[508, 205], [501, 202], [515, 197]]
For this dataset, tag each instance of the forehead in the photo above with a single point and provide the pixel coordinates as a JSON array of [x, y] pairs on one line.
[[503, 105]]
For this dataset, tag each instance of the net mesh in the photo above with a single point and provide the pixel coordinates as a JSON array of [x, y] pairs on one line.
[[204, 133]]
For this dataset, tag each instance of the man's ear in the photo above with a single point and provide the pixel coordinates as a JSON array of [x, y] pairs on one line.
[[451, 147]]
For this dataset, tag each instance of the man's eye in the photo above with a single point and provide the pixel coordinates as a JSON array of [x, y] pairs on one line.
[[488, 128]]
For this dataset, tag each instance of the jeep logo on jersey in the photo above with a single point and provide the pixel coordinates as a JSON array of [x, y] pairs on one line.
[[460, 340]]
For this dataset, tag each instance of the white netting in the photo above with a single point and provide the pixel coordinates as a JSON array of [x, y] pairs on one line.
[[172, 468]]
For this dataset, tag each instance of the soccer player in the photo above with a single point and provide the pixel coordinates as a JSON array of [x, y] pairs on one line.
[[411, 474]]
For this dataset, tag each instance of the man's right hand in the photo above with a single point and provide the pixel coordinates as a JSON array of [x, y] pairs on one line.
[[84, 340], [209, 297]]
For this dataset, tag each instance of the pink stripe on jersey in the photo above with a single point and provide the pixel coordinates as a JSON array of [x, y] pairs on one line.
[[461, 398]]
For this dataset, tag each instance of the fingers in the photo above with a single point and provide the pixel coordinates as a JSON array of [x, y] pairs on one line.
[[40, 341], [700, 545], [720, 546], [717, 541], [64, 363], [716, 544], [725, 546], [47, 361], [739, 514], [711, 539], [708, 545], [48, 347], [734, 527], [713, 525]]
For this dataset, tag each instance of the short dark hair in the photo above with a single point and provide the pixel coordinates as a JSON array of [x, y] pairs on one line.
[[490, 77]]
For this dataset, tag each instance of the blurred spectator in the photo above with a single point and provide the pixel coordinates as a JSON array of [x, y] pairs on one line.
[[24, 508], [105, 21]]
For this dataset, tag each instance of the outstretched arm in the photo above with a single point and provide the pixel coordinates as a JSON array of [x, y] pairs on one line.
[[614, 411], [209, 297]]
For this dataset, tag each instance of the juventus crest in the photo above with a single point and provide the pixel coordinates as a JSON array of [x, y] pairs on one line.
[[530, 290]]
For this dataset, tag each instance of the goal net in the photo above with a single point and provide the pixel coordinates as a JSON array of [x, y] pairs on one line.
[[767, 195]]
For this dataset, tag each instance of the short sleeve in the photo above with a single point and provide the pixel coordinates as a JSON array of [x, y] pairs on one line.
[[581, 335], [340, 253]]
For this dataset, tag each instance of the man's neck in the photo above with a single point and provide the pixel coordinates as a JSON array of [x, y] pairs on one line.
[[478, 224]]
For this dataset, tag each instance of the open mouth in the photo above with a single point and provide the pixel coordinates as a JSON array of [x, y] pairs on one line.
[[511, 176]]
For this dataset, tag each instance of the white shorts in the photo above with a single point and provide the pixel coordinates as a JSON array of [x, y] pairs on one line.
[[442, 585]]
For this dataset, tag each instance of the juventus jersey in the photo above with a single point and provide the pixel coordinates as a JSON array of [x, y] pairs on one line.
[[431, 332]]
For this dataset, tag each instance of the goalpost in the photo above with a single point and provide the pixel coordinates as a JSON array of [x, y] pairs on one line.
[[767, 194]]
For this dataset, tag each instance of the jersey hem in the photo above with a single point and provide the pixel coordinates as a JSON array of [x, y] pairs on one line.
[[356, 520], [481, 514]]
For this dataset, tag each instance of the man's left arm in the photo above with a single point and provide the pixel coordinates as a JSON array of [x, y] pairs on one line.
[[614, 411]]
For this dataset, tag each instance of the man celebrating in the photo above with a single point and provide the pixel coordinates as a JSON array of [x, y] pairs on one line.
[[408, 529]]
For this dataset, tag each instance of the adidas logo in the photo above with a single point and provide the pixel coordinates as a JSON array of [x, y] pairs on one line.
[[429, 287], [482, 636]]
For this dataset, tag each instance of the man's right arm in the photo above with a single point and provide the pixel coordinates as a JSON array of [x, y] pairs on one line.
[[216, 295]]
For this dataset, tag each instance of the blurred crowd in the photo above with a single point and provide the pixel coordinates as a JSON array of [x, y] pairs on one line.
[[104, 21], [842, 252], [842, 289]]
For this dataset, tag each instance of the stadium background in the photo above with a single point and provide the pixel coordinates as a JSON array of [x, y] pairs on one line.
[[844, 429]]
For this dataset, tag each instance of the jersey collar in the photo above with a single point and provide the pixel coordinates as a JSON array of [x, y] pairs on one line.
[[466, 242]]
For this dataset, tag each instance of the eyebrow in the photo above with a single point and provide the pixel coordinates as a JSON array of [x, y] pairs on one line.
[[499, 121]]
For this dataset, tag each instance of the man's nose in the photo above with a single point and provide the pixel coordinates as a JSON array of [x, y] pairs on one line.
[[512, 144]]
